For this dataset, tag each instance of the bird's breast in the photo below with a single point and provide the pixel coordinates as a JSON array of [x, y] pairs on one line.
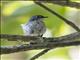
[[37, 27]]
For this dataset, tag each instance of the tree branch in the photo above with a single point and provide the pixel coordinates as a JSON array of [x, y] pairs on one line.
[[68, 40], [62, 3], [70, 37]]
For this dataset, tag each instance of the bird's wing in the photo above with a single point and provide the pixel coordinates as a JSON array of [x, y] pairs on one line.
[[26, 29]]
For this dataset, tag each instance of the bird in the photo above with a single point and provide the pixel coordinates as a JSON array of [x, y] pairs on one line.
[[35, 27]]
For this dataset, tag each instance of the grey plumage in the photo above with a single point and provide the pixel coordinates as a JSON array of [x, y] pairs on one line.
[[35, 26]]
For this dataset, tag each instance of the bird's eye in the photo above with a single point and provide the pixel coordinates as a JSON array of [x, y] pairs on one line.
[[39, 17]]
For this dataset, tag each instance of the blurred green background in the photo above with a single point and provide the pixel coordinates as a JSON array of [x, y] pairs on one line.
[[15, 13]]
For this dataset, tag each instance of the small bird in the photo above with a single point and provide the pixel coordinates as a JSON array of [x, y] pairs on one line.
[[35, 27]]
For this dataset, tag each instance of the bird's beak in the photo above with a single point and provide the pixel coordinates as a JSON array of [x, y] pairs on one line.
[[45, 17]]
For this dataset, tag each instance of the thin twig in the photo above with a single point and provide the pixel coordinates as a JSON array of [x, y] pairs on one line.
[[40, 54], [62, 3]]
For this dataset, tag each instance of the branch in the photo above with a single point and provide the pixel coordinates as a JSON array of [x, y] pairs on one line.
[[61, 17], [70, 37], [62, 3], [69, 4], [68, 40], [40, 54], [20, 48]]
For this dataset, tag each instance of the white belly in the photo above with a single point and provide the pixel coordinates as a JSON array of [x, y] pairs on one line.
[[35, 28]]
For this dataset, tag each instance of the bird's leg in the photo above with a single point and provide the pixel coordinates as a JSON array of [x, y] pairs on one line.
[[38, 41]]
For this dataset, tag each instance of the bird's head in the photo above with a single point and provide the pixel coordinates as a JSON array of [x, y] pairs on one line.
[[37, 17]]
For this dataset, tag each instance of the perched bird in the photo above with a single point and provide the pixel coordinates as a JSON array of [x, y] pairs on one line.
[[35, 27]]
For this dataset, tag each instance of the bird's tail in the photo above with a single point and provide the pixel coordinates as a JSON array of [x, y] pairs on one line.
[[24, 29]]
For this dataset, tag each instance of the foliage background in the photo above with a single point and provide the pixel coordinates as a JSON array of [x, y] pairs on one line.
[[15, 13]]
